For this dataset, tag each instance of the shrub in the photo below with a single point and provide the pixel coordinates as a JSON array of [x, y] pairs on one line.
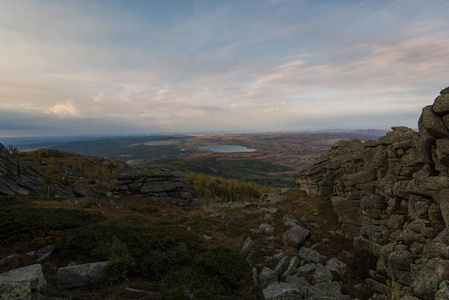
[[28, 219]]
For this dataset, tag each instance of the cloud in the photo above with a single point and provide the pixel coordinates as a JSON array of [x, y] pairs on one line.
[[271, 109], [99, 98], [64, 109]]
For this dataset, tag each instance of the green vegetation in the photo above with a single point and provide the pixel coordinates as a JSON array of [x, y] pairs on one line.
[[175, 260], [215, 189], [249, 170], [28, 219]]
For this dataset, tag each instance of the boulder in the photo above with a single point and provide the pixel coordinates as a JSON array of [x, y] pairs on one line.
[[267, 276], [308, 255], [81, 275], [441, 105], [282, 265], [295, 236], [273, 197], [81, 190], [337, 268], [433, 124], [31, 275], [282, 290], [292, 266], [427, 278], [266, 228], [321, 274], [289, 220]]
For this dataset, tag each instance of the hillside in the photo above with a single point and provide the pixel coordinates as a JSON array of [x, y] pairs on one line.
[[142, 248], [278, 156]]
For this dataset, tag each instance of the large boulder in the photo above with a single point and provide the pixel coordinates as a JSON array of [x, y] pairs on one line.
[[31, 276], [162, 185]]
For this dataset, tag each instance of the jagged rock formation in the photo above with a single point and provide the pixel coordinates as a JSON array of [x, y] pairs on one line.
[[18, 178], [162, 185], [392, 198]]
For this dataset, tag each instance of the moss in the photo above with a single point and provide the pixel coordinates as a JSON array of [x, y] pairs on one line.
[[15, 290]]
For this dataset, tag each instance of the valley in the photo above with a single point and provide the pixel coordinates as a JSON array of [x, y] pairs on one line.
[[277, 158]]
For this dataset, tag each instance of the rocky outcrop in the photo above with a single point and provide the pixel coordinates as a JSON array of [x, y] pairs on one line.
[[16, 178], [162, 185], [392, 198]]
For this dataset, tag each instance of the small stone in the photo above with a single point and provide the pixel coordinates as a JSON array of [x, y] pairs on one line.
[[255, 274], [292, 266], [265, 227], [71, 264], [321, 274], [139, 294], [315, 225], [289, 219], [295, 236], [44, 253], [309, 255], [282, 265], [248, 244]]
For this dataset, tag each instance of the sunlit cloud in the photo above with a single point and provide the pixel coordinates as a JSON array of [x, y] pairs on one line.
[[99, 98], [64, 109]]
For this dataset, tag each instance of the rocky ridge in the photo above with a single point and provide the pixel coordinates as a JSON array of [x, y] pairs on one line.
[[18, 178], [392, 199]]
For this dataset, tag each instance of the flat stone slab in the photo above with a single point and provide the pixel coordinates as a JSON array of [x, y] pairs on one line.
[[81, 275], [31, 274]]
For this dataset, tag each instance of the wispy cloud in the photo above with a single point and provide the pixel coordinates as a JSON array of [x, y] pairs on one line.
[[250, 65]]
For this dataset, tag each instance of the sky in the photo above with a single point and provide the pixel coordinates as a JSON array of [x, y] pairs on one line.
[[142, 67]]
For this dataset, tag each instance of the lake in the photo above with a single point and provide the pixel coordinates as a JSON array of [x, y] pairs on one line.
[[225, 148]]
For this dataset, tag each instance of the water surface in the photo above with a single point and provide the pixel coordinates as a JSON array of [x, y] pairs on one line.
[[225, 148]]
